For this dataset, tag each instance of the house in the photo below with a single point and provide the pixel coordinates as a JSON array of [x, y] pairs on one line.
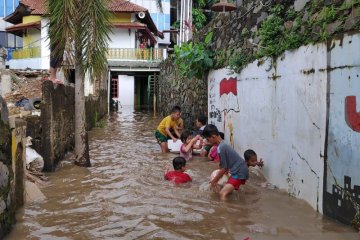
[[8, 40], [136, 46]]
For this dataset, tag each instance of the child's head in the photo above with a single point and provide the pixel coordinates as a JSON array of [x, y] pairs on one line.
[[201, 121], [211, 133], [222, 135], [186, 136], [179, 164], [175, 112], [250, 157]]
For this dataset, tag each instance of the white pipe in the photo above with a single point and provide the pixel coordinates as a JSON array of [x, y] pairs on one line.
[[181, 21], [188, 20]]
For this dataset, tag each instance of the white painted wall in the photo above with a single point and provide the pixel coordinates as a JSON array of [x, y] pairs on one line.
[[344, 142], [126, 90], [280, 112], [45, 44], [120, 38]]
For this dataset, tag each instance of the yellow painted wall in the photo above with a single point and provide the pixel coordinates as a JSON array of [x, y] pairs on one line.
[[31, 19], [121, 18]]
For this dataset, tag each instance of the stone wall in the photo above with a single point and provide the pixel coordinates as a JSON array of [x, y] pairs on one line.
[[7, 206], [96, 108], [53, 131], [189, 94], [56, 123], [267, 28]]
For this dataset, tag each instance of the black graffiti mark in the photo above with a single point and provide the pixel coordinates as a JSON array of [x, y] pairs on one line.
[[216, 114]]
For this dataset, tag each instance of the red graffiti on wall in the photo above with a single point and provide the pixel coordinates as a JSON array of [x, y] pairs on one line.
[[228, 85], [351, 116]]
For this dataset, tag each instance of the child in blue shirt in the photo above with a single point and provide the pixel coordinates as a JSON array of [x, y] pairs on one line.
[[230, 161]]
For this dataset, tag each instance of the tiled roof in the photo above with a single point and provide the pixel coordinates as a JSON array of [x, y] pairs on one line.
[[125, 6], [39, 7]]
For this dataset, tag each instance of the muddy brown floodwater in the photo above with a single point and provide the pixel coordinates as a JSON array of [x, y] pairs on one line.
[[124, 196]]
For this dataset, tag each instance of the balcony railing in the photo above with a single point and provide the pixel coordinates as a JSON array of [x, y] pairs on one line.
[[26, 53], [124, 54], [136, 54]]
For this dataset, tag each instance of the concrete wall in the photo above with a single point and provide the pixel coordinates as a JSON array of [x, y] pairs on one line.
[[342, 179], [57, 123], [96, 108], [279, 109], [53, 131], [7, 184]]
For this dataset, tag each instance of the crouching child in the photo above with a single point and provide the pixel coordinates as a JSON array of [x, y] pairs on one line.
[[230, 161]]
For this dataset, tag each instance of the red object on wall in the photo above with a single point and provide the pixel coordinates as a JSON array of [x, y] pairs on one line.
[[351, 116], [228, 85]]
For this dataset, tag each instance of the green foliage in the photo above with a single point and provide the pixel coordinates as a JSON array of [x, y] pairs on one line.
[[271, 35], [239, 60], [194, 59], [176, 25], [328, 14], [200, 3], [199, 18], [290, 14]]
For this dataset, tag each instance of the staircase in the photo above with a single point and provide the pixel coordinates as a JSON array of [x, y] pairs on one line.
[[151, 91]]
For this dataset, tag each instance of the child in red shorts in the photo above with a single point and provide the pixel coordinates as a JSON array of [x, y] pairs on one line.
[[230, 161], [178, 176]]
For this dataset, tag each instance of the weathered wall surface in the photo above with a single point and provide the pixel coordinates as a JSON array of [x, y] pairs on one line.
[[343, 144], [96, 108], [7, 184], [57, 123], [53, 131], [189, 94], [279, 108]]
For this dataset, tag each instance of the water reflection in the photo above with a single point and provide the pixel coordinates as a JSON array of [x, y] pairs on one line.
[[123, 196]]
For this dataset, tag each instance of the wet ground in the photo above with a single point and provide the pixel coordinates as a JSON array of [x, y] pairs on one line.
[[124, 196]]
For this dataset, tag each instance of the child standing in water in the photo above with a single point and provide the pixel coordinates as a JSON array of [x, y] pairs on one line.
[[230, 161], [169, 128], [178, 176], [188, 144]]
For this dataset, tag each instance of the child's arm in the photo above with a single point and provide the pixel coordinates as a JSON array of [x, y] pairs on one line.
[[260, 163], [210, 154], [170, 134], [191, 144]]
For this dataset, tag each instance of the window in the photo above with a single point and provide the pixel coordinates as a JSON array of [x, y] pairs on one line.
[[114, 87]]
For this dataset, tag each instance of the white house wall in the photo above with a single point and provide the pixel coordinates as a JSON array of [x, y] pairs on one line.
[[126, 90], [120, 38], [278, 110]]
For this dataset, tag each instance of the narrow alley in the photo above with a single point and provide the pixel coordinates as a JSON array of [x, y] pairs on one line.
[[124, 196]]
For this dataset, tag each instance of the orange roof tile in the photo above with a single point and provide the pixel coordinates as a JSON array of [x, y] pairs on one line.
[[39, 7]]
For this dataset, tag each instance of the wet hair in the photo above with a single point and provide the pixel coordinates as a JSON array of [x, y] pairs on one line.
[[175, 109], [178, 163], [184, 135], [202, 120], [222, 135], [210, 130], [248, 154]]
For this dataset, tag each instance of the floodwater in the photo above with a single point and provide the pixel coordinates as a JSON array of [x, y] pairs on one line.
[[124, 196]]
